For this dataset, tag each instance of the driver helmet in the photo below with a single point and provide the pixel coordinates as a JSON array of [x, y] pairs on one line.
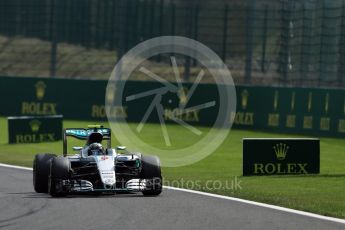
[[95, 149]]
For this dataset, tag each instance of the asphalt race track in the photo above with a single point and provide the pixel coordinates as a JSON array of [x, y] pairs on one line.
[[22, 208]]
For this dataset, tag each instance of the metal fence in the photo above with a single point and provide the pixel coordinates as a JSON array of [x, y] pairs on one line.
[[286, 42]]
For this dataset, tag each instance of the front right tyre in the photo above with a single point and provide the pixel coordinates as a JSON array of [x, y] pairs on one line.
[[41, 170], [60, 169]]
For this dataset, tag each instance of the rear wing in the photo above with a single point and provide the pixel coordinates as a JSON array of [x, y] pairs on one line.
[[83, 134]]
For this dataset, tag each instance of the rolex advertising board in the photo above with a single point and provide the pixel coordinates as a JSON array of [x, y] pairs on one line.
[[173, 104], [34, 129], [316, 112], [74, 99], [272, 156]]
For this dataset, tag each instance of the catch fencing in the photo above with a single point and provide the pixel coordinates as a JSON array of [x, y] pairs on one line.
[[266, 42]]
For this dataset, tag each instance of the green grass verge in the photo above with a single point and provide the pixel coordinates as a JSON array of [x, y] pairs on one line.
[[323, 194]]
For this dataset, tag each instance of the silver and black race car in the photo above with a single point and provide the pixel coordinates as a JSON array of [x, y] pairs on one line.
[[96, 169]]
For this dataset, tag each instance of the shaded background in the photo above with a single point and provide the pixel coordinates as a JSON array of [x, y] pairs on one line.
[[263, 42]]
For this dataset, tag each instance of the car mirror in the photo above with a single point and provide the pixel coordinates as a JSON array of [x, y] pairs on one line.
[[121, 148], [77, 148]]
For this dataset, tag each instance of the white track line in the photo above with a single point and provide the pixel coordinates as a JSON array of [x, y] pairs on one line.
[[289, 210], [15, 167], [302, 213]]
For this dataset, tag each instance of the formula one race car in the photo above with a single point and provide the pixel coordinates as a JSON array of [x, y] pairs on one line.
[[96, 169]]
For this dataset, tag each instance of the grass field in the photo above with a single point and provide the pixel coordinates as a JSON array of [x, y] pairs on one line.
[[323, 194]]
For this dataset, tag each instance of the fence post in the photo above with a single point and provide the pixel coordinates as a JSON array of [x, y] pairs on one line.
[[172, 6], [97, 22], [112, 23], [225, 32], [136, 9], [105, 24], [122, 22], [160, 27], [152, 18], [330, 41], [161, 18], [130, 19], [19, 17], [264, 40], [196, 26], [126, 27], [172, 23], [67, 27], [304, 63], [285, 61], [86, 24], [189, 21], [323, 27], [143, 20], [249, 41], [54, 45], [341, 60]]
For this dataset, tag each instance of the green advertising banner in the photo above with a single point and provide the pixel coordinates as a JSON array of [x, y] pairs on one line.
[[272, 156], [75, 99], [317, 112], [34, 129]]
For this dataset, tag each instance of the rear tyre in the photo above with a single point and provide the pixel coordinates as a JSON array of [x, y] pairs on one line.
[[59, 170], [41, 166], [151, 172]]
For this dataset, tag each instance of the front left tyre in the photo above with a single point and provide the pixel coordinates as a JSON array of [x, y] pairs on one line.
[[41, 169], [151, 172]]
